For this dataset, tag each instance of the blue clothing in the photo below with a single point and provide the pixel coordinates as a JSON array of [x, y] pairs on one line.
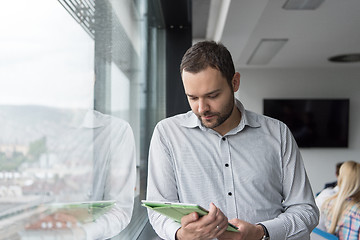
[[348, 226]]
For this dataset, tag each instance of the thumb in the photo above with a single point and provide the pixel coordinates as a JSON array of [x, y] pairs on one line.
[[233, 221]]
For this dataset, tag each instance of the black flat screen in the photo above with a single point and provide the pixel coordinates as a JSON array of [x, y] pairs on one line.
[[313, 122]]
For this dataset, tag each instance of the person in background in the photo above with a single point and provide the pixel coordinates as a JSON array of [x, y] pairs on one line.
[[333, 184], [244, 166], [329, 190], [340, 214]]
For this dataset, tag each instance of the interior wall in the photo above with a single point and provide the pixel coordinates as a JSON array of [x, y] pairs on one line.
[[255, 85]]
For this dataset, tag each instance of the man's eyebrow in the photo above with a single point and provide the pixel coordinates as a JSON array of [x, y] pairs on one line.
[[206, 94], [213, 92]]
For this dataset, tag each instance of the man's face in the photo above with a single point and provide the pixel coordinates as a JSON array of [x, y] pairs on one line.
[[210, 96]]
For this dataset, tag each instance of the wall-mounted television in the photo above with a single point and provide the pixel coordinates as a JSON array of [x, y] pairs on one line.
[[313, 122]]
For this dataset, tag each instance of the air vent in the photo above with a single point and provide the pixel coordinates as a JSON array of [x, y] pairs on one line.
[[302, 4]]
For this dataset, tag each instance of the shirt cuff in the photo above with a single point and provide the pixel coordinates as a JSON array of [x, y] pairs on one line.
[[171, 230], [275, 228], [92, 230]]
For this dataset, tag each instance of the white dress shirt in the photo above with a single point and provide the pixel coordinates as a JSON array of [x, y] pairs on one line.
[[254, 173], [325, 194], [99, 162]]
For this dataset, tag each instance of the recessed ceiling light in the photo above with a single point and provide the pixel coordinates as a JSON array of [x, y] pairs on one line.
[[346, 58], [265, 51]]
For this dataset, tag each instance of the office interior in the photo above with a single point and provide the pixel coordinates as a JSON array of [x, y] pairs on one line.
[[58, 59]]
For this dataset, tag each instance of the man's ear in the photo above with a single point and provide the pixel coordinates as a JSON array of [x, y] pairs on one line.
[[236, 81]]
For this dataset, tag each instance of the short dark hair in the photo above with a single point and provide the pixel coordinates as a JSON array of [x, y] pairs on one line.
[[208, 54], [337, 170]]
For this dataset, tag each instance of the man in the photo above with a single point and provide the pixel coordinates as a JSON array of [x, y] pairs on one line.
[[244, 166]]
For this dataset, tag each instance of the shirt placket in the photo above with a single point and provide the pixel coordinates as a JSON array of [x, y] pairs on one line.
[[229, 190]]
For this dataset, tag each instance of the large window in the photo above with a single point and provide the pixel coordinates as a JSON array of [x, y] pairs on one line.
[[78, 101]]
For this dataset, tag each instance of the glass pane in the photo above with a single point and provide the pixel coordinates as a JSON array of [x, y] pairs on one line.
[[70, 83]]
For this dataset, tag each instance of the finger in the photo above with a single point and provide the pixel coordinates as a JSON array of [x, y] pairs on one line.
[[209, 220], [219, 230], [213, 210], [219, 221], [220, 218], [221, 227], [187, 219]]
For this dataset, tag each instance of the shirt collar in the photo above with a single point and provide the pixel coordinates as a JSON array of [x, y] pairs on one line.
[[247, 119], [192, 121], [93, 119]]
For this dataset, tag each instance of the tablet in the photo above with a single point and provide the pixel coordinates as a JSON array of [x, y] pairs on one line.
[[84, 212], [176, 211]]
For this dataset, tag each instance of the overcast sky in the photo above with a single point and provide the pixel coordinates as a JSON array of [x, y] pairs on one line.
[[46, 58]]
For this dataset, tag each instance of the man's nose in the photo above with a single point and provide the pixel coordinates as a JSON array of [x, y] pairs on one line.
[[203, 106]]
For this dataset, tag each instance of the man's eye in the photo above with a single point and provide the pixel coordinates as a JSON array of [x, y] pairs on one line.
[[192, 98], [213, 96]]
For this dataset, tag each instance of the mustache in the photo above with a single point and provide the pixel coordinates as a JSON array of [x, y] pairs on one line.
[[205, 114]]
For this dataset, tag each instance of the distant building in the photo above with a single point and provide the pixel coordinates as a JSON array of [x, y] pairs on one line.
[[10, 149]]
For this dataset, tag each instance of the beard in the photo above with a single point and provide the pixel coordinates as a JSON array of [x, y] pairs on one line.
[[219, 117]]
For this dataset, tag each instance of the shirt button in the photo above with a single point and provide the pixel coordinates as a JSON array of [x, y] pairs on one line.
[[226, 165], [223, 139], [229, 193]]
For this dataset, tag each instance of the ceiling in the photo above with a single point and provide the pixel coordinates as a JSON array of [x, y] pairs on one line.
[[312, 35]]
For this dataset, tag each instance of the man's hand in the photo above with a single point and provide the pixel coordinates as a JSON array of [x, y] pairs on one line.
[[246, 230], [209, 226]]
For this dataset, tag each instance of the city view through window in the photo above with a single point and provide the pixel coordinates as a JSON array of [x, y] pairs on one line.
[[70, 107]]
